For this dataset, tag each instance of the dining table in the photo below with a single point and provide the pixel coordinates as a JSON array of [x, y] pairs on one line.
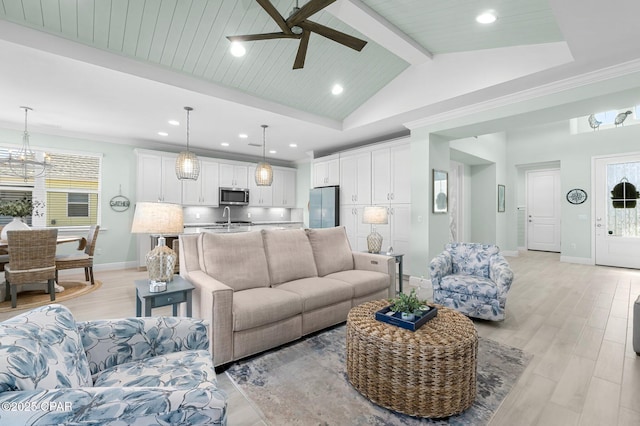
[[62, 239]]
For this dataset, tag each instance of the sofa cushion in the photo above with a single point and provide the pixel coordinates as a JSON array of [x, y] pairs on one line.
[[471, 258], [238, 260], [42, 349], [262, 306], [319, 292], [363, 282], [289, 255], [331, 250], [176, 370]]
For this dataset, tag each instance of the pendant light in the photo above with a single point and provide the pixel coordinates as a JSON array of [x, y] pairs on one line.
[[187, 164], [264, 172], [24, 163]]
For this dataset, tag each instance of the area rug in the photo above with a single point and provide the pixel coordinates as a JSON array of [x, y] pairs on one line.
[[33, 298], [305, 383]]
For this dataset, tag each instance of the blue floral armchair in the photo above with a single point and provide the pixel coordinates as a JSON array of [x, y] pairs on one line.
[[472, 278], [134, 371]]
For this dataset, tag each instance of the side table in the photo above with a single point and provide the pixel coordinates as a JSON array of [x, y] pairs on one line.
[[178, 290], [399, 257]]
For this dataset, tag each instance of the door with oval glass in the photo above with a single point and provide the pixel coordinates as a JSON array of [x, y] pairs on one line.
[[543, 210], [617, 219]]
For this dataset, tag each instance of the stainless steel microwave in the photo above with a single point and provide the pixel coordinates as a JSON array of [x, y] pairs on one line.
[[234, 197]]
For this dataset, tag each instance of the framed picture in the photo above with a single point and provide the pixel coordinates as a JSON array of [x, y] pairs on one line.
[[501, 198], [440, 191]]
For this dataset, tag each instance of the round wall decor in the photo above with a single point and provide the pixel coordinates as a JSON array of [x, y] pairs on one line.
[[576, 196]]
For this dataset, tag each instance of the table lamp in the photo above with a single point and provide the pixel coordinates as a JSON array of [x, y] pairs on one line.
[[159, 219], [374, 215]]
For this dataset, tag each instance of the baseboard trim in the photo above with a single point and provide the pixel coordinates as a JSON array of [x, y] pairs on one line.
[[510, 253], [579, 260]]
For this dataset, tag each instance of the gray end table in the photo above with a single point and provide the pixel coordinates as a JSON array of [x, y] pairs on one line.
[[399, 259], [178, 290]]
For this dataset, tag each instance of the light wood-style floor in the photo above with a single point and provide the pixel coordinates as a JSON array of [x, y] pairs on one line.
[[575, 320]]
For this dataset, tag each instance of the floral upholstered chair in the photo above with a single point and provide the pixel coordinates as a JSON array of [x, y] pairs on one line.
[[473, 279], [135, 371]]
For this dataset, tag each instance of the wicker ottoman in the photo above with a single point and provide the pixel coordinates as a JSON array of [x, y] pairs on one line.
[[427, 373]]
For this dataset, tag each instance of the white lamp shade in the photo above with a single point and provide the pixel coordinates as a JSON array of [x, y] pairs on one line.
[[375, 215], [157, 218]]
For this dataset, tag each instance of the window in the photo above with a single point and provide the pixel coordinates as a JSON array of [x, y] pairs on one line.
[[77, 205]]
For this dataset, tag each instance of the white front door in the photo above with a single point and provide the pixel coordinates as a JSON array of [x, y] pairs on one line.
[[617, 222], [543, 210]]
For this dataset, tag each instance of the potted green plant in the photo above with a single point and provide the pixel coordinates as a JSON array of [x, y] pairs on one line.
[[409, 305], [18, 209]]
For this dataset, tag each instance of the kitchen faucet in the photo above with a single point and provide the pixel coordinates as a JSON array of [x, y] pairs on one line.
[[224, 212]]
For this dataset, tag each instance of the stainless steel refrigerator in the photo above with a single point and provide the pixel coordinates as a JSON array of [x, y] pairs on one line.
[[324, 207]]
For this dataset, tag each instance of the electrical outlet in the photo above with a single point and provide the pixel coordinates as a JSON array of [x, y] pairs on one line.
[[249, 215], [98, 251], [197, 215]]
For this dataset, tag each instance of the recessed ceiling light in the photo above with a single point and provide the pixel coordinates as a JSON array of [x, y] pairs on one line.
[[243, 136], [237, 49], [337, 89], [272, 151], [293, 145], [174, 122], [225, 144], [163, 133], [486, 18]]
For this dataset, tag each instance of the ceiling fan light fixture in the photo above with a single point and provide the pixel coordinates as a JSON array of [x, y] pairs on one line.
[[264, 172], [237, 49], [488, 17], [187, 163]]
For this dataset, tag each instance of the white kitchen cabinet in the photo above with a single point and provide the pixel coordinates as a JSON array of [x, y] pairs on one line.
[[234, 175], [397, 233], [391, 175], [355, 179], [357, 232], [157, 180], [284, 187], [259, 196], [204, 190], [326, 172]]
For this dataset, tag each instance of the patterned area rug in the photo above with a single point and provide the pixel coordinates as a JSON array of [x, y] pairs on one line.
[[31, 299], [305, 383]]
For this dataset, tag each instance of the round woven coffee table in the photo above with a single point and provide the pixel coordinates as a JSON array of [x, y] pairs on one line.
[[427, 373]]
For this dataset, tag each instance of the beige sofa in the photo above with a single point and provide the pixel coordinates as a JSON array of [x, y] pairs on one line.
[[261, 289]]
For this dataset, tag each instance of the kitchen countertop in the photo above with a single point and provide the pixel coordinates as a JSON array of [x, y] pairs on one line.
[[196, 228]]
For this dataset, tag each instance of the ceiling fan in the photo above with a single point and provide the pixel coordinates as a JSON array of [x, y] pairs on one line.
[[297, 26]]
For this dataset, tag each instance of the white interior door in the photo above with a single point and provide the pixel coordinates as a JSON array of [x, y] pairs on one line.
[[617, 230], [543, 210]]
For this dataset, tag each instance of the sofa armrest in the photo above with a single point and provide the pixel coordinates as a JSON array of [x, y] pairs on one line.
[[500, 272], [215, 303], [377, 263], [113, 342], [439, 267], [106, 405]]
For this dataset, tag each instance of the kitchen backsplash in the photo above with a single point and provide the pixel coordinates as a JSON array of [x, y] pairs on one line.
[[195, 214]]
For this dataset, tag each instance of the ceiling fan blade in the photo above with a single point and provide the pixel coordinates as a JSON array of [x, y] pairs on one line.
[[265, 36], [337, 36], [275, 15], [307, 10], [302, 51]]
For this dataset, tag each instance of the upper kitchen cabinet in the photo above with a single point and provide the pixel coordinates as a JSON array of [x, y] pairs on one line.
[[234, 175], [355, 178], [391, 175], [259, 196], [157, 180], [284, 187], [326, 172], [204, 190]]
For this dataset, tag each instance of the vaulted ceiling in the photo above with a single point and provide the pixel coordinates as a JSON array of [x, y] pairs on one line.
[[117, 70]]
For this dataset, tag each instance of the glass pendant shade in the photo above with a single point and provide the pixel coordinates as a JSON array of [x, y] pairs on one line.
[[187, 163], [264, 172]]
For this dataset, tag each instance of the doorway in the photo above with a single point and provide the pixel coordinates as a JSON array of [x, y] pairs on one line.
[[617, 221], [543, 210]]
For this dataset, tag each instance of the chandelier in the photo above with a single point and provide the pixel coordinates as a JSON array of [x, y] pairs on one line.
[[264, 172], [24, 163], [187, 164]]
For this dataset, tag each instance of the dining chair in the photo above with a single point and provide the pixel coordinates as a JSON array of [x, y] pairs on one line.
[[31, 261], [80, 260]]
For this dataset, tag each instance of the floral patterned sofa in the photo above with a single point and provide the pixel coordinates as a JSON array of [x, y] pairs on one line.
[[134, 371], [473, 279]]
